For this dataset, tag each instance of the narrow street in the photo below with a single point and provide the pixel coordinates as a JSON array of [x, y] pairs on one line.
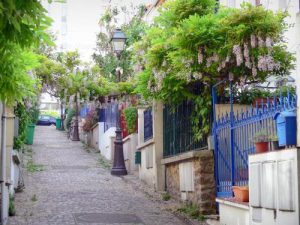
[[73, 188]]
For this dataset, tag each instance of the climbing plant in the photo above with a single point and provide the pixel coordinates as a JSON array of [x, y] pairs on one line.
[[191, 44], [104, 55], [23, 25]]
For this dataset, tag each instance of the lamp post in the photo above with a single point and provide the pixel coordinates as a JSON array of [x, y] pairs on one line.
[[75, 133], [118, 41]]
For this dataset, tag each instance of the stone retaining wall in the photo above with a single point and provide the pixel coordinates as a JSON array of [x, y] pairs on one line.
[[204, 182]]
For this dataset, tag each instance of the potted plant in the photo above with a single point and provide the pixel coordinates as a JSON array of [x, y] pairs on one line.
[[241, 193], [274, 142], [261, 140]]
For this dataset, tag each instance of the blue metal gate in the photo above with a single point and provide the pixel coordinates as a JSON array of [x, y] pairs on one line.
[[233, 133]]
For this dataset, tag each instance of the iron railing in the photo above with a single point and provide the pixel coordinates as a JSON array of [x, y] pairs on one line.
[[233, 139], [178, 135], [109, 116]]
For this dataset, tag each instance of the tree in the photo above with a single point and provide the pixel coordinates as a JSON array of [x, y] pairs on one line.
[[190, 47], [104, 56], [23, 25]]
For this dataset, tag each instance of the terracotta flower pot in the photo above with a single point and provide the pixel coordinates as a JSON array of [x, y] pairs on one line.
[[262, 147], [241, 193]]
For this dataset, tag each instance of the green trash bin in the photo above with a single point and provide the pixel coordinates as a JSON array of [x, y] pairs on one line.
[[30, 134], [58, 124]]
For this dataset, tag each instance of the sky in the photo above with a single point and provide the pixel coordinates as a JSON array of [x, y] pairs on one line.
[[81, 22]]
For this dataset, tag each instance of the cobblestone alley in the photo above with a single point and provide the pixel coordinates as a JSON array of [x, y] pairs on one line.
[[73, 188]]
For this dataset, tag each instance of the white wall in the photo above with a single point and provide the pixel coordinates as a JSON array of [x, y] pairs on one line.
[[106, 141], [147, 175], [154, 176], [129, 148]]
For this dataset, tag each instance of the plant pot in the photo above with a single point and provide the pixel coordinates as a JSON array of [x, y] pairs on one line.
[[262, 146], [260, 102], [274, 145], [241, 193]]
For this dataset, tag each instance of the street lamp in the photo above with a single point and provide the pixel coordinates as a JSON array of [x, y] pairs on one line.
[[118, 41], [75, 133]]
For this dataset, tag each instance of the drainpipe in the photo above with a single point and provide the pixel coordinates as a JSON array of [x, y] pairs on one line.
[[3, 162]]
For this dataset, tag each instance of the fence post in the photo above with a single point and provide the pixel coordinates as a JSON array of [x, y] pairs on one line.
[[232, 136], [214, 101]]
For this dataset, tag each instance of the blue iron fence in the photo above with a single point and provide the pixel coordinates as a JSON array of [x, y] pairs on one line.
[[84, 111], [148, 124], [109, 116], [178, 135], [233, 134]]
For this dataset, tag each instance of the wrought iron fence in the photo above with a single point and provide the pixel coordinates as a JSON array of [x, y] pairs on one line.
[[148, 124], [178, 135], [84, 111], [109, 116], [233, 139]]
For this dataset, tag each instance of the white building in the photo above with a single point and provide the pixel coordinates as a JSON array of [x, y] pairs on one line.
[[49, 103], [76, 23]]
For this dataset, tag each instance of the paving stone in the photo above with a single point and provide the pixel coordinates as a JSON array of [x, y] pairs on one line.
[[73, 183]]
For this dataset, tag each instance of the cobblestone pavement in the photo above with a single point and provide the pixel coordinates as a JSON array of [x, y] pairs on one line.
[[74, 189]]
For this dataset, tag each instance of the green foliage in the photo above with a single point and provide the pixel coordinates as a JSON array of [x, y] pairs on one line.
[[15, 81], [21, 112], [261, 136], [125, 88], [27, 115], [71, 113], [34, 113], [190, 43], [32, 167], [173, 12], [130, 114], [200, 118], [34, 198], [248, 96], [11, 207], [23, 24], [52, 113], [104, 55], [50, 72], [104, 163], [166, 196], [192, 210]]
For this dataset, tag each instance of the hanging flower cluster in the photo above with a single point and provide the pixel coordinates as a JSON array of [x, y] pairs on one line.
[[243, 57]]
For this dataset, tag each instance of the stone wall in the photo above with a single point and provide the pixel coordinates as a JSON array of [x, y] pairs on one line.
[[204, 182]]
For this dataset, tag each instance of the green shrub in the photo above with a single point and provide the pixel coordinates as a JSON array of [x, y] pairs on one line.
[[21, 112], [52, 113], [192, 211], [131, 119], [166, 196], [70, 114], [11, 207]]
